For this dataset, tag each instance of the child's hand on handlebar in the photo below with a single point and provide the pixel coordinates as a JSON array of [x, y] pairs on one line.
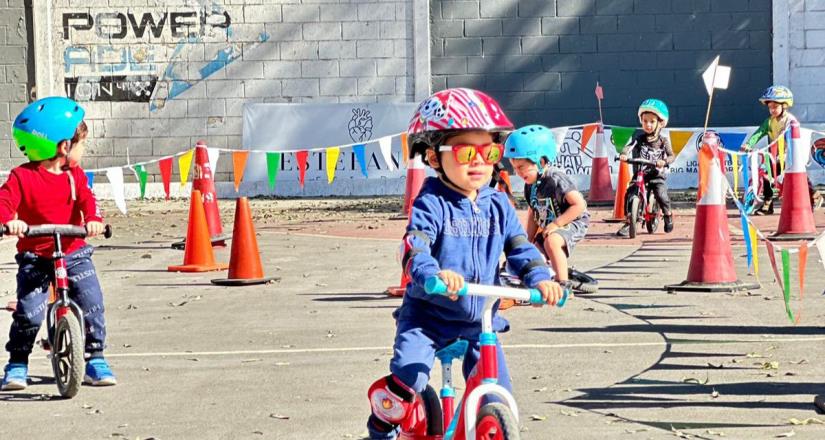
[[551, 291], [454, 282], [17, 227], [94, 229], [660, 163], [622, 157]]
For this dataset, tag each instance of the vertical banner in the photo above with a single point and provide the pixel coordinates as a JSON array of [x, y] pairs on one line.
[[238, 166], [332, 162], [273, 163], [115, 176], [165, 166]]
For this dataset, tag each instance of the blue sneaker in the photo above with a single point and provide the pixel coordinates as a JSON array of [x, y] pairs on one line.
[[16, 377], [98, 373]]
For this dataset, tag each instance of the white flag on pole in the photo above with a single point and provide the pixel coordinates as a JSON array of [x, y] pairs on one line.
[[716, 76]]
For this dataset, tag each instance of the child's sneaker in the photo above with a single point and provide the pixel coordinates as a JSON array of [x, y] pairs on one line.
[[15, 378], [98, 373], [668, 224]]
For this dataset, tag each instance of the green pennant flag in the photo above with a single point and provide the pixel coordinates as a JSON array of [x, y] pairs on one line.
[[142, 175], [619, 136], [273, 163], [786, 274]]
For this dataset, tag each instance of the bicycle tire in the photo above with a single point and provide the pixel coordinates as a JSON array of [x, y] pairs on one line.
[[68, 364], [433, 411], [653, 225], [634, 217], [496, 421]]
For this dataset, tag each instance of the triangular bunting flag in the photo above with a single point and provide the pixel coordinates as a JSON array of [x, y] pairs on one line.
[[405, 149], [115, 176], [90, 179], [746, 232], [678, 140], [772, 257], [165, 166], [587, 133], [273, 165], [239, 166], [184, 164], [559, 134], [362, 160], [732, 141], [301, 157], [734, 161], [213, 154], [620, 136], [755, 243], [786, 274], [332, 162], [385, 145], [780, 144], [142, 176]]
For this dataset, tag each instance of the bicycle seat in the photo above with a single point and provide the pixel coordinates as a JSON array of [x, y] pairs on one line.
[[454, 351]]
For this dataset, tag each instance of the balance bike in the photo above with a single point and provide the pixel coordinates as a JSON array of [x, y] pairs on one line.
[[491, 421], [640, 205]]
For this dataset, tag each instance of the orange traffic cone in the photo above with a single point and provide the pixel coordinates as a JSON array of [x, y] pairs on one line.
[[619, 214], [796, 219], [197, 256], [245, 261], [711, 261], [203, 181], [415, 178], [601, 190]]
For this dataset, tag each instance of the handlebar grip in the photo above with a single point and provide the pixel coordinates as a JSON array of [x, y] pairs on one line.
[[435, 286], [107, 231]]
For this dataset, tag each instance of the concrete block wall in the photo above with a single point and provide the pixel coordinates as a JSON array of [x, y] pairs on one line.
[[807, 59], [542, 58], [155, 77], [14, 76]]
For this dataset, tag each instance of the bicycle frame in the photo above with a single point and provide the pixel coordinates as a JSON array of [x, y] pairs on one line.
[[62, 304]]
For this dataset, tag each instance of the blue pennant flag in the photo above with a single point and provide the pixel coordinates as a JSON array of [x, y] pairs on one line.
[[747, 234], [788, 147], [732, 141], [90, 177], [362, 160], [746, 173]]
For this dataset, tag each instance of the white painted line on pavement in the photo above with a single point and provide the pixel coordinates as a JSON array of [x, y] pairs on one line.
[[509, 347]]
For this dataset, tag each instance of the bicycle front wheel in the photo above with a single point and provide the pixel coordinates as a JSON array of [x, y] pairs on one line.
[[67, 355], [496, 422], [634, 217]]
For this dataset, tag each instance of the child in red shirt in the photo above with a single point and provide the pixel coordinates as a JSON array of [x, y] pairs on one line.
[[52, 189]]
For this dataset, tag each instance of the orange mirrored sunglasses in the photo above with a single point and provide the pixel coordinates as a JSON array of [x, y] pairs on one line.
[[465, 153]]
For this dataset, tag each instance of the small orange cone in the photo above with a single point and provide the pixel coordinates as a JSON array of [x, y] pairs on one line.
[[619, 214], [197, 256], [416, 172], [245, 261]]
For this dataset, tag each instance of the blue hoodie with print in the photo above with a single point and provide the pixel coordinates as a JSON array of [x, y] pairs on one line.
[[449, 231]]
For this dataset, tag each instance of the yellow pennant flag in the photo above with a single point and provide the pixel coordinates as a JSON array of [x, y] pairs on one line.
[[238, 166], [184, 163], [755, 244], [332, 162], [780, 142], [734, 159], [678, 140]]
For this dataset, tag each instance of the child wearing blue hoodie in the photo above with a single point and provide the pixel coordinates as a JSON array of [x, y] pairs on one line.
[[458, 229]]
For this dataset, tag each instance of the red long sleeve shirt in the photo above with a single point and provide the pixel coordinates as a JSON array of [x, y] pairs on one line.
[[40, 197]]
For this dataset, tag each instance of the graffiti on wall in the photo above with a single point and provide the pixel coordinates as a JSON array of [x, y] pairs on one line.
[[145, 56]]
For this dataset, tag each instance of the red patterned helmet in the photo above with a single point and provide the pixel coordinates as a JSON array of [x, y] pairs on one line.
[[453, 110]]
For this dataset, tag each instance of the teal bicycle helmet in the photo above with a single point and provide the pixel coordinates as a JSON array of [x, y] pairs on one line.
[[45, 123], [657, 107], [780, 94], [531, 142]]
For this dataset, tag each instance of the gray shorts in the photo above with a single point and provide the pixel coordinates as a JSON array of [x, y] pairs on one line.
[[572, 233]]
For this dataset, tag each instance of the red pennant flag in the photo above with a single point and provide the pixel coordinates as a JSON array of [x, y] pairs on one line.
[[599, 91], [301, 157], [772, 257], [587, 133], [166, 173]]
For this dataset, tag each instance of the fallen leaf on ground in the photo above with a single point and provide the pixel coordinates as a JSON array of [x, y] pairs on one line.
[[716, 433], [279, 416], [773, 365], [537, 417], [790, 433], [809, 421]]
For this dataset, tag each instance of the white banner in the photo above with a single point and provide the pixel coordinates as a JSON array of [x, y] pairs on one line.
[[279, 127]]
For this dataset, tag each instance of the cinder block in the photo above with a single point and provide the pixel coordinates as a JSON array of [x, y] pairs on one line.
[[374, 49], [163, 146], [575, 8], [396, 29], [301, 13], [322, 31], [360, 30], [653, 42], [521, 26], [391, 66], [729, 5], [691, 41], [729, 40], [254, 88], [539, 45], [460, 9], [614, 7], [559, 25], [376, 86], [601, 24], [299, 50], [503, 83], [261, 13], [501, 45], [498, 8], [205, 107], [535, 8], [505, 63], [376, 11], [319, 69], [636, 23], [446, 28], [300, 87], [339, 86], [691, 6], [462, 46], [655, 6], [245, 70], [358, 67], [328, 50], [345, 12], [282, 69], [577, 43], [543, 81], [467, 81], [814, 20], [449, 65], [482, 28]]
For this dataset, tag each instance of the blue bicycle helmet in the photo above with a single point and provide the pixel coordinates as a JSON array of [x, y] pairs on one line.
[[43, 124], [531, 142], [780, 94], [657, 107]]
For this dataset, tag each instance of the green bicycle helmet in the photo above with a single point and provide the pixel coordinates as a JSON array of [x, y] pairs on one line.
[[45, 123], [657, 107], [531, 142]]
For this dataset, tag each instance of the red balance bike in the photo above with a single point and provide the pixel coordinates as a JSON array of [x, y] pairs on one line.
[[640, 205], [64, 318], [474, 421]]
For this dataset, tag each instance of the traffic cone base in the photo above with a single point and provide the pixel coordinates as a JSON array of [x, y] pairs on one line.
[[198, 255], [245, 268]]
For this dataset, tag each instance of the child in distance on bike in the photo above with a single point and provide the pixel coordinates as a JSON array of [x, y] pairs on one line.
[[52, 189], [651, 145], [458, 229], [557, 217], [777, 99]]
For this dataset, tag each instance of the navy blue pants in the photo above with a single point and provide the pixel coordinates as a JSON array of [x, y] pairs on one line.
[[33, 278]]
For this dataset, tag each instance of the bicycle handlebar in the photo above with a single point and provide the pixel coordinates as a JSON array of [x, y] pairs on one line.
[[63, 230], [435, 286], [638, 161]]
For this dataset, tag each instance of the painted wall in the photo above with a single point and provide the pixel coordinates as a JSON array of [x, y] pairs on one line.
[[15, 55], [542, 58], [806, 68], [156, 77]]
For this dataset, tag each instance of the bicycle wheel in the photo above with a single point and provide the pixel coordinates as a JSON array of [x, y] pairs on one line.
[[653, 224], [432, 409], [67, 355], [634, 217], [496, 422]]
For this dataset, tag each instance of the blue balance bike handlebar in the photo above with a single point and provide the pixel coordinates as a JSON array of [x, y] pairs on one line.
[[435, 286]]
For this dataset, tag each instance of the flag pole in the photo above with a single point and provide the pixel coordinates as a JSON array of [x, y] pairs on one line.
[[599, 99], [710, 102]]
